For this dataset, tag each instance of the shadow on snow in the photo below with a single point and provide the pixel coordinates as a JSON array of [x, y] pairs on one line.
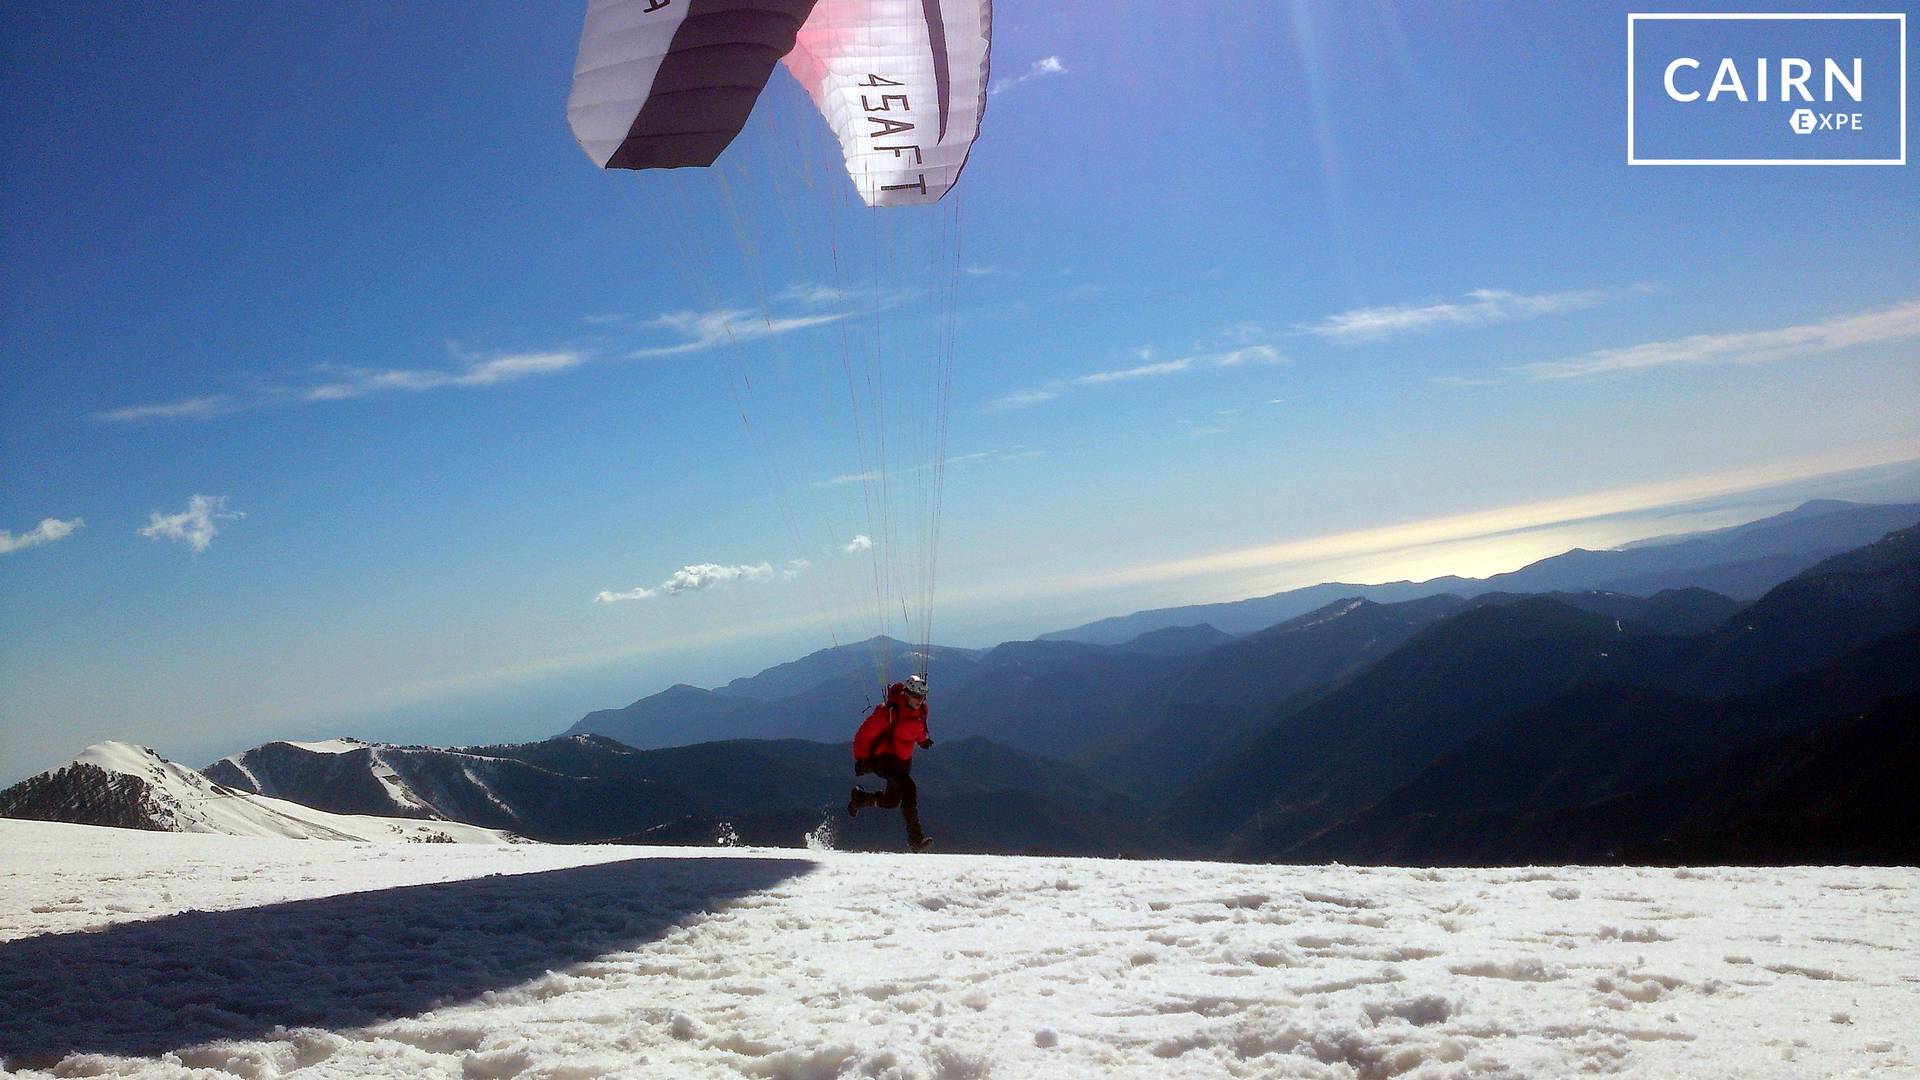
[[342, 961]]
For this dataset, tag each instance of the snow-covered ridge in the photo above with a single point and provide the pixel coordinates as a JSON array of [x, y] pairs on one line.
[[120, 783]]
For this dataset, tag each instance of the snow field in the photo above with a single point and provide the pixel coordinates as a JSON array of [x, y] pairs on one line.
[[598, 961]]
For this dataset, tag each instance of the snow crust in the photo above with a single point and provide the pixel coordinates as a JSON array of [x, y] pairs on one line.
[[152, 954], [189, 802]]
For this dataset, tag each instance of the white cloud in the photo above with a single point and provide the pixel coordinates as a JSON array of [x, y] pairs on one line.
[[1480, 307], [1039, 69], [707, 575], [48, 531], [168, 410], [196, 526], [1021, 399], [606, 596], [694, 577], [725, 326], [1758, 347], [808, 292], [851, 478], [1251, 354], [859, 543], [699, 330], [488, 371]]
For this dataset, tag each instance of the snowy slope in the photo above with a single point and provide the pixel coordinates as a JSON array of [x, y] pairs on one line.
[[347, 960], [148, 791]]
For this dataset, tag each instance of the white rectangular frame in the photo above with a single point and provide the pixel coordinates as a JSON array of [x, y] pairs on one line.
[[1898, 16]]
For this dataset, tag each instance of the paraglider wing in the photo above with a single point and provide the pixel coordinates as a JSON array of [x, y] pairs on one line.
[[662, 84], [903, 84]]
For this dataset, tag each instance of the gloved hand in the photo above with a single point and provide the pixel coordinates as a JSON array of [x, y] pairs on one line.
[[926, 744]]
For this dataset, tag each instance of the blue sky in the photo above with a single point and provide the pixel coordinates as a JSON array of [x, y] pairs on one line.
[[1247, 296]]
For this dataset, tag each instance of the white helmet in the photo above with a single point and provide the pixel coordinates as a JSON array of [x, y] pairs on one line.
[[916, 685]]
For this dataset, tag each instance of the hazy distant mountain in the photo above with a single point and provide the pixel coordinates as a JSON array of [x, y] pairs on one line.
[[1257, 613], [1056, 698], [852, 668], [822, 696], [130, 787], [676, 716], [1740, 562], [1178, 640]]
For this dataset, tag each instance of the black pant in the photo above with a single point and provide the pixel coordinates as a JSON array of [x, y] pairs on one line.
[[900, 792]]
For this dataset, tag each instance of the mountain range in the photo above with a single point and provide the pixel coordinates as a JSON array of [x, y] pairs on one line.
[[1741, 562], [1483, 724]]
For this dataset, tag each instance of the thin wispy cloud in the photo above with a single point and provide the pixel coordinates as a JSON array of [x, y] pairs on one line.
[[1478, 308], [702, 330], [1039, 69], [196, 526], [696, 577], [187, 409], [1897, 323], [48, 531], [1463, 380], [875, 475], [810, 292], [696, 330], [488, 371], [844, 479], [1251, 354]]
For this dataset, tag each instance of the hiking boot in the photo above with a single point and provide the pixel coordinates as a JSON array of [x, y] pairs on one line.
[[855, 802], [920, 844]]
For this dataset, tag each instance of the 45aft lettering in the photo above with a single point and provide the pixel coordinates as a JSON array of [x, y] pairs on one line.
[[876, 106]]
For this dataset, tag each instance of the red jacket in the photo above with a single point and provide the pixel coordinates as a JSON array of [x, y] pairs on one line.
[[894, 727]]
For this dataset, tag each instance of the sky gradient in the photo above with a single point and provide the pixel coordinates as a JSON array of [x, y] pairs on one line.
[[337, 384]]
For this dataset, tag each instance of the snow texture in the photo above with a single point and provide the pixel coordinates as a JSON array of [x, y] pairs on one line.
[[155, 954]]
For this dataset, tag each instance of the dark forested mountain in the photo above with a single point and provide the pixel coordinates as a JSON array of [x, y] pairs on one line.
[[1517, 776], [1340, 753], [1827, 611], [1827, 792], [1211, 709], [588, 788]]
